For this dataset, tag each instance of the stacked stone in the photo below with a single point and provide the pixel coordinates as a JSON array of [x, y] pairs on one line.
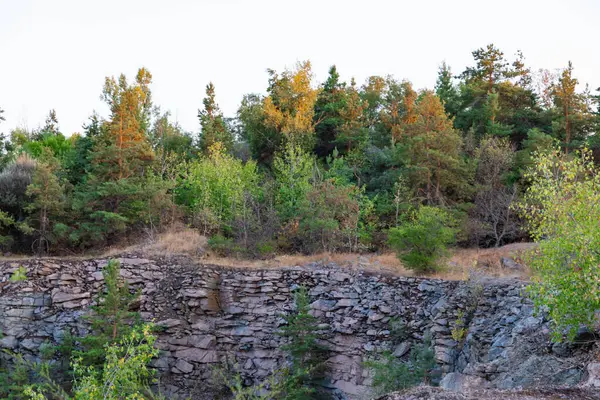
[[214, 315]]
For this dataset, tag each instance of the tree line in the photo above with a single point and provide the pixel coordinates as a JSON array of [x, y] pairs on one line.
[[304, 167]]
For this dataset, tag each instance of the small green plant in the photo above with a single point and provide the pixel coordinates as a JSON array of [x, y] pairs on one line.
[[223, 246], [19, 275], [265, 249], [459, 330], [391, 374], [124, 375], [398, 330], [421, 242]]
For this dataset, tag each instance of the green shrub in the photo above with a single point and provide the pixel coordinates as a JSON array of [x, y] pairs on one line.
[[222, 246], [266, 249], [19, 275], [125, 373], [391, 374], [421, 242], [562, 208]]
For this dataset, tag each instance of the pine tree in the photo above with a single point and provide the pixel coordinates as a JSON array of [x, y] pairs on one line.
[[566, 99], [124, 149], [51, 125], [111, 318], [433, 147], [213, 126], [446, 91], [491, 67], [328, 108], [306, 353], [353, 130], [120, 190]]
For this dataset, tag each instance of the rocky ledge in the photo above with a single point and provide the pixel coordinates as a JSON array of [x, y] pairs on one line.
[[428, 393], [213, 314]]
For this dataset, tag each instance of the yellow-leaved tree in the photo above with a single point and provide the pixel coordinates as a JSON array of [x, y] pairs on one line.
[[290, 106]]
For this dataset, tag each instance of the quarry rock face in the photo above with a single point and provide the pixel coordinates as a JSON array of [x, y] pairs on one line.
[[212, 315]]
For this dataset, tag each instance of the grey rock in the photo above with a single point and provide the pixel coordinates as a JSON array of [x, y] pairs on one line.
[[461, 383], [61, 297], [402, 349]]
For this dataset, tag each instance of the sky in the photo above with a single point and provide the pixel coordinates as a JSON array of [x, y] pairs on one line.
[[56, 54]]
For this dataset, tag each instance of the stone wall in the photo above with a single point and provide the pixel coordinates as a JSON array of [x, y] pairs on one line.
[[212, 314]]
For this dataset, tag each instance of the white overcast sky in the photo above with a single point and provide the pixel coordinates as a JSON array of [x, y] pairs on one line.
[[55, 54]]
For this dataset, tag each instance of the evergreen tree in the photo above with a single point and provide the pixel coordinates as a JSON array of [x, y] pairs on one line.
[[213, 127], [120, 190], [433, 147], [124, 149], [353, 132], [111, 319], [51, 125], [573, 121], [328, 108], [446, 90], [491, 67], [306, 353]]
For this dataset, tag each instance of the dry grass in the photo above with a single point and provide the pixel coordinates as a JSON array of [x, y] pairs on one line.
[[460, 266], [179, 239]]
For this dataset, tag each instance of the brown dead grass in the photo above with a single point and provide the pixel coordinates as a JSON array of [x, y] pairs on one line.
[[179, 239], [460, 265]]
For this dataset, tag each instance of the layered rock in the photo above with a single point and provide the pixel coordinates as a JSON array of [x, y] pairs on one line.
[[212, 315]]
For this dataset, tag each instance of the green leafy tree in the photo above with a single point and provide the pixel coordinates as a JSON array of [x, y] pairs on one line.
[[330, 217], [422, 241], [562, 207], [213, 126], [125, 373], [214, 189], [293, 170], [263, 140], [47, 202]]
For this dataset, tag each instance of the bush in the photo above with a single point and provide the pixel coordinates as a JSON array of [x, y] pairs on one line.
[[390, 373], [124, 375], [222, 246], [562, 207], [420, 242], [213, 189]]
